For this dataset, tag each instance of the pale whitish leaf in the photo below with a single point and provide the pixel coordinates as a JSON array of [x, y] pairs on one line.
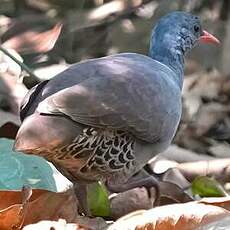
[[190, 216]]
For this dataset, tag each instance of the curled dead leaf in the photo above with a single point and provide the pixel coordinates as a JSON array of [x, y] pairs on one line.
[[189, 216], [223, 202], [129, 201], [13, 216], [20, 208], [9, 124], [34, 42]]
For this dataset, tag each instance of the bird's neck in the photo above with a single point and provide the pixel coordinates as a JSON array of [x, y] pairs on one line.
[[172, 57]]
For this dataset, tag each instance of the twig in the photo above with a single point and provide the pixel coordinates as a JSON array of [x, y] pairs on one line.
[[21, 64], [218, 168], [181, 155]]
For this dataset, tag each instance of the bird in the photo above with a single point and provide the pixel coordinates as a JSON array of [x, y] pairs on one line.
[[105, 118]]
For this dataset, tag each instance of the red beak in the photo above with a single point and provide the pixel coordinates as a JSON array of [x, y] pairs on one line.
[[208, 38]]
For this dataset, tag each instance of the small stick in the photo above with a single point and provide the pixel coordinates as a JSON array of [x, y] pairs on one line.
[[21, 64]]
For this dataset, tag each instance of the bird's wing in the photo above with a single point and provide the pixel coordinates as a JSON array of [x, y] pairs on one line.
[[30, 99], [128, 92]]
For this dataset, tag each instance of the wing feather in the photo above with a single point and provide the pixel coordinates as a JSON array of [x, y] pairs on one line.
[[129, 92]]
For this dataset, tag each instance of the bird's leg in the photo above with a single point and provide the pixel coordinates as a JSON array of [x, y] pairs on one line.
[[79, 189], [148, 179], [145, 180], [81, 193]]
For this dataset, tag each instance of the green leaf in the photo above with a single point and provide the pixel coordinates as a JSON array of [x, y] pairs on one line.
[[18, 169], [207, 187], [98, 199]]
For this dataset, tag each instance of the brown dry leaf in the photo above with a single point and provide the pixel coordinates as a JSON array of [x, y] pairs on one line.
[[129, 201], [173, 175], [19, 208], [9, 124], [34, 42], [188, 216], [12, 217], [52, 206], [223, 202]]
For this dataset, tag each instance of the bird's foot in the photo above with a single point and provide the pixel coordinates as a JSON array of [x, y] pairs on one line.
[[141, 179], [81, 193]]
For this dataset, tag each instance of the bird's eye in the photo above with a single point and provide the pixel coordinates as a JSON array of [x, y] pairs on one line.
[[196, 28]]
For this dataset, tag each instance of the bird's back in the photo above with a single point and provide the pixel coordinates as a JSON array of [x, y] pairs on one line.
[[132, 89]]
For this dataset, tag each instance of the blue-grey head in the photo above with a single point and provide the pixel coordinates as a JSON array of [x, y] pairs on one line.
[[174, 35]]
